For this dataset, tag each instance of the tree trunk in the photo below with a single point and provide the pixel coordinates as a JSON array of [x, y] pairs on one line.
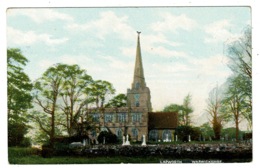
[[237, 130]]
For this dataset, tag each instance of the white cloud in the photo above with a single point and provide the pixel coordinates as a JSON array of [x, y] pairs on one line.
[[107, 23], [168, 68], [215, 65], [219, 31], [118, 64], [40, 15], [18, 37], [172, 23]]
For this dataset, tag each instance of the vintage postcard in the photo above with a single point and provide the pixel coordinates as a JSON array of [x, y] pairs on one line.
[[129, 84]]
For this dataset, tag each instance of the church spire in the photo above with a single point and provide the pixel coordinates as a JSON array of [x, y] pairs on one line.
[[139, 80]]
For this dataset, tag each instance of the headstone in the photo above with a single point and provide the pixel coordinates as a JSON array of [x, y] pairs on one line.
[[127, 141], [123, 140], [189, 138], [144, 142], [104, 140]]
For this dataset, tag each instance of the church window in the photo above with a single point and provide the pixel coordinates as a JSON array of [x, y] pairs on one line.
[[122, 117], [135, 132], [95, 117], [137, 96], [153, 135], [137, 104], [137, 85], [108, 117], [136, 117], [119, 133], [167, 135]]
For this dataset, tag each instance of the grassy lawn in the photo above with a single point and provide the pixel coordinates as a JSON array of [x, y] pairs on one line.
[[29, 156]]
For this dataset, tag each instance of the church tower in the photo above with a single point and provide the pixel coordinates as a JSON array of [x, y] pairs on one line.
[[139, 94]]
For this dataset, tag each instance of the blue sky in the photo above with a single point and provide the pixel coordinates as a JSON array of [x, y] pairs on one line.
[[182, 47]]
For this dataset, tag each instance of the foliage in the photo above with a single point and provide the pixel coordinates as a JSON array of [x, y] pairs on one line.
[[19, 97], [184, 110], [110, 138], [206, 130], [184, 131], [46, 92], [187, 110], [117, 101], [213, 108], [99, 90], [240, 53], [230, 133], [173, 108], [16, 134], [234, 101], [74, 97]]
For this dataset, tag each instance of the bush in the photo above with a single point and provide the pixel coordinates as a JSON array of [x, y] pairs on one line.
[[183, 133], [47, 151], [110, 138]]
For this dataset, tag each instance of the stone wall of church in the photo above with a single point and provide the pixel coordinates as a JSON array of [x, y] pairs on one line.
[[122, 121]]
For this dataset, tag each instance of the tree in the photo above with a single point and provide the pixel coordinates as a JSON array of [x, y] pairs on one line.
[[206, 130], [183, 110], [234, 102], [99, 90], [213, 108], [185, 131], [19, 98], [240, 54], [46, 92], [187, 110], [74, 97], [117, 101]]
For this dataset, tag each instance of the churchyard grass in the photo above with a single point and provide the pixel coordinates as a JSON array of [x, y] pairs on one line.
[[30, 156]]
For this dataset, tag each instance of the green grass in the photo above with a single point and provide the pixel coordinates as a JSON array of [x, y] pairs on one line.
[[29, 156]]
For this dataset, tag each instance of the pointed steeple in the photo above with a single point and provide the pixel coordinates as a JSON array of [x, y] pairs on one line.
[[139, 80]]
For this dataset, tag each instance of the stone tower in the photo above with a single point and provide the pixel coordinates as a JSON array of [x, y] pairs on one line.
[[139, 94]]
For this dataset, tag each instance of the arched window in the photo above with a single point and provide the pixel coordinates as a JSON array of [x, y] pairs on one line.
[[167, 136], [119, 133], [137, 85], [153, 135], [135, 132], [137, 104]]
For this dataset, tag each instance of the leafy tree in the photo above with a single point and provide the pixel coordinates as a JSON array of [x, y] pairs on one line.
[[74, 97], [230, 133], [19, 98], [173, 108], [46, 92], [184, 131], [99, 90], [213, 108], [240, 54], [234, 102], [187, 110], [206, 130], [117, 101], [183, 110]]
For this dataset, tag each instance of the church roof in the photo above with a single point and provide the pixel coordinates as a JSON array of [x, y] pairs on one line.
[[162, 120]]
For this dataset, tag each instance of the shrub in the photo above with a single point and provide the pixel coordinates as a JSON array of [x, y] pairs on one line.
[[110, 138], [183, 133]]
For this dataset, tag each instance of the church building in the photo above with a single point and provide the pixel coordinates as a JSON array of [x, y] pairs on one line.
[[137, 118]]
